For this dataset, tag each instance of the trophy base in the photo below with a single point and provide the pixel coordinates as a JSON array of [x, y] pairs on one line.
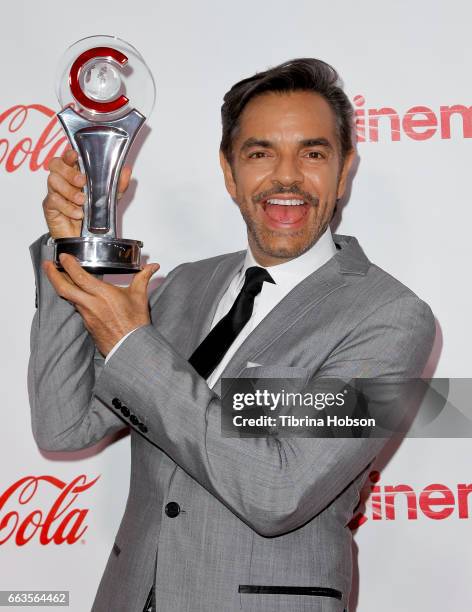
[[101, 255]]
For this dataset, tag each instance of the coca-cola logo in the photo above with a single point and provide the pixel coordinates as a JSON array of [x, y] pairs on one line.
[[435, 501], [59, 523], [29, 136]]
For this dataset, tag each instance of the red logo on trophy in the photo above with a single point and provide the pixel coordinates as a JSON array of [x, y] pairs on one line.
[[106, 91]]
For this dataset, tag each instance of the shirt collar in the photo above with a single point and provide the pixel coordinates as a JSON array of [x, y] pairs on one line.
[[292, 272]]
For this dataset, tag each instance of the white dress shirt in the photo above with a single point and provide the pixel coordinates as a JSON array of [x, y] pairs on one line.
[[286, 276]]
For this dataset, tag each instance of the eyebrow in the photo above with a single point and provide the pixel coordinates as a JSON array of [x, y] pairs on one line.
[[266, 144], [316, 142], [255, 142]]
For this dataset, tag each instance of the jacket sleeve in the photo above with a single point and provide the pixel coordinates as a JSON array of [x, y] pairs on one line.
[[62, 370], [273, 484]]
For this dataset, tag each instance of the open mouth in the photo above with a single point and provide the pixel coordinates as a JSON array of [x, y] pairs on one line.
[[287, 211]]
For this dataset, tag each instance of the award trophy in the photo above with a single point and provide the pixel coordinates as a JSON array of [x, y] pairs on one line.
[[106, 91]]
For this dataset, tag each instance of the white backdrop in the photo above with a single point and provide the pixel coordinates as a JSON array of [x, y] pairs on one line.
[[409, 207]]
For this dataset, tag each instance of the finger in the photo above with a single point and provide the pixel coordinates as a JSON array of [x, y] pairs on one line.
[[64, 275], [87, 282], [142, 278], [69, 160], [54, 202], [67, 277], [69, 171], [124, 180], [70, 157], [62, 286], [58, 184]]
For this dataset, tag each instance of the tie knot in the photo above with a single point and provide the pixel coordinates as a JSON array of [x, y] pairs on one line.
[[255, 278]]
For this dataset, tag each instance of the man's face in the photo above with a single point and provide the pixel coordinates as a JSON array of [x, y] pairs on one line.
[[286, 173]]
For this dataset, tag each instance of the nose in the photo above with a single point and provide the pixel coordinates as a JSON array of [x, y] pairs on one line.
[[287, 171]]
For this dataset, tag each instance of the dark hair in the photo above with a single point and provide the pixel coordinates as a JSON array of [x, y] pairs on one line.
[[304, 74]]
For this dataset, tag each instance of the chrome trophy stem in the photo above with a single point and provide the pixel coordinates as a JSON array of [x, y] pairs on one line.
[[102, 149]]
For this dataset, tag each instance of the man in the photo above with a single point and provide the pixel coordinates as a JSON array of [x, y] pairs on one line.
[[220, 523]]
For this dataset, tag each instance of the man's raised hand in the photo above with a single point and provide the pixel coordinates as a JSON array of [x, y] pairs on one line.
[[63, 204], [109, 312]]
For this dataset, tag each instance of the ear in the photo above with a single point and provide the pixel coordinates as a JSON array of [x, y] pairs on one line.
[[347, 165], [228, 175]]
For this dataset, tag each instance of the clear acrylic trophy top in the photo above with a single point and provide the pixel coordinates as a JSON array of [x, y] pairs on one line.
[[104, 77], [106, 92]]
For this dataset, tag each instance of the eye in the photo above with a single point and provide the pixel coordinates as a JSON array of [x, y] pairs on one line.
[[315, 155], [257, 154]]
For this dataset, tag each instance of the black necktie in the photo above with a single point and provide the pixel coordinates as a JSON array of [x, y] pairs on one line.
[[212, 349]]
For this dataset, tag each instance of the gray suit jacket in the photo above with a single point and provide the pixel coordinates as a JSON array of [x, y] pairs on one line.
[[253, 512]]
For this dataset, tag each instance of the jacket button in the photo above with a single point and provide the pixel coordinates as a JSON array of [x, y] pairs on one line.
[[143, 427], [116, 402], [172, 509], [125, 410], [134, 419]]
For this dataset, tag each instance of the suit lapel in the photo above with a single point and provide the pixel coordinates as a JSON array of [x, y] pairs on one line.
[[312, 290], [212, 293], [349, 260]]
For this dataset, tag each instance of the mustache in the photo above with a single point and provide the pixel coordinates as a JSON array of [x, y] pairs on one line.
[[293, 190]]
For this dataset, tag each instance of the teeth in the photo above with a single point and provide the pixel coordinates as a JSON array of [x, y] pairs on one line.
[[285, 202]]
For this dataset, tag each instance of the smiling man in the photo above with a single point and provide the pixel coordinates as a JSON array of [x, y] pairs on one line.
[[285, 165], [214, 523]]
